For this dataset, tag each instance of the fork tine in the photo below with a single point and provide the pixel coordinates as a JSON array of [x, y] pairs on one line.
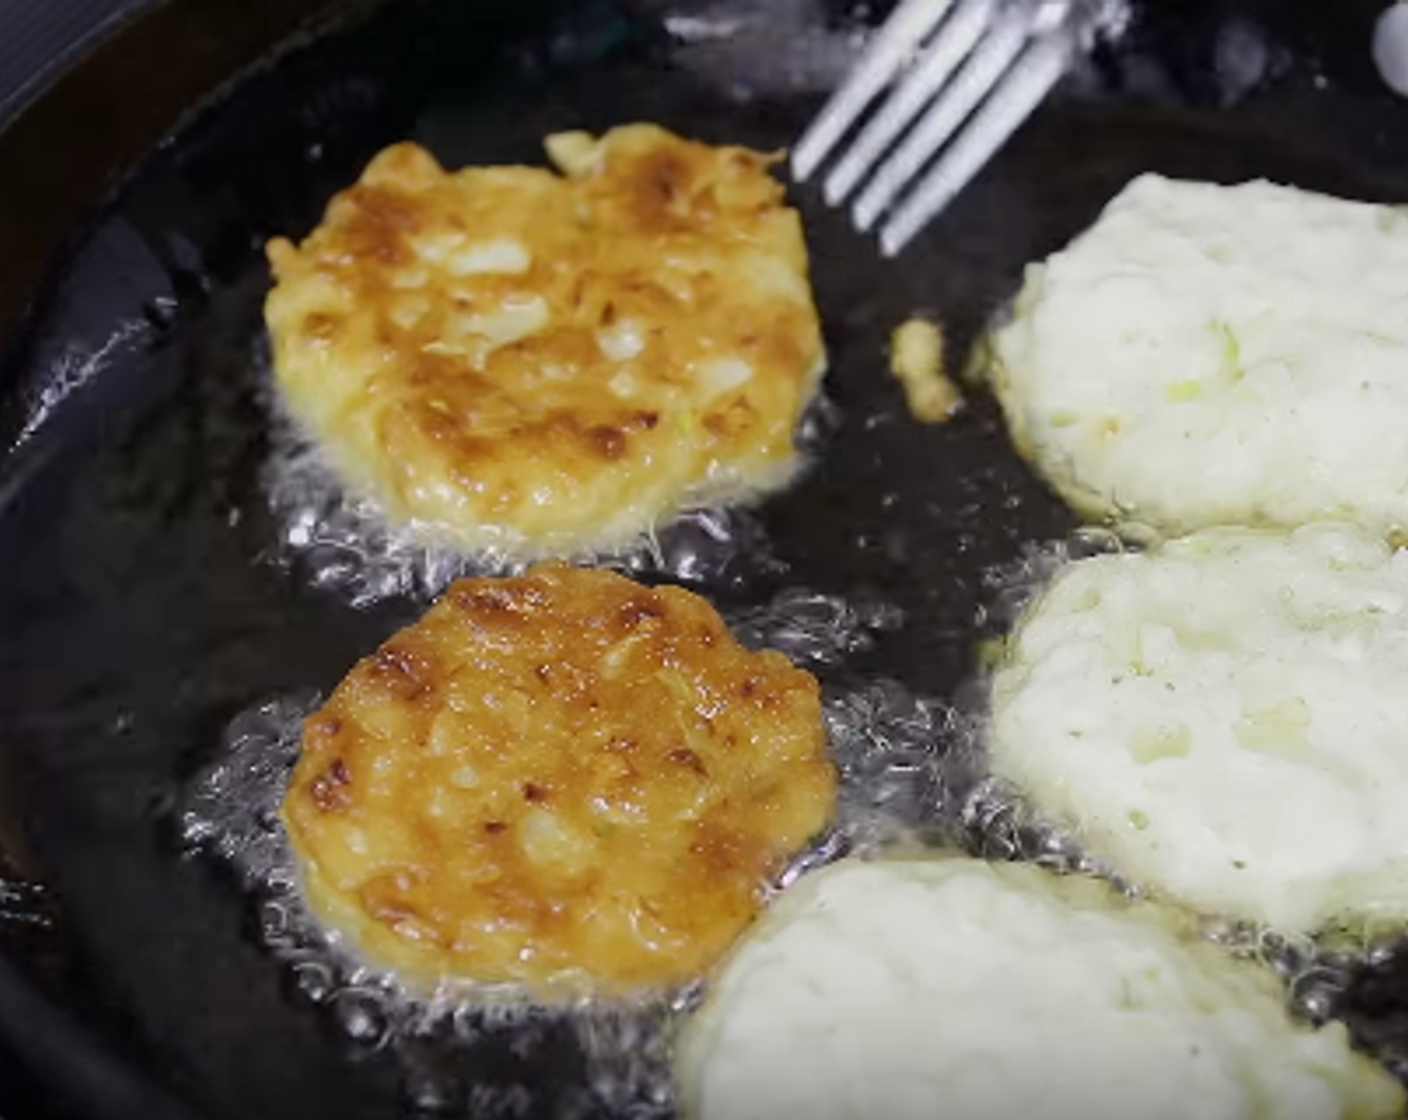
[[1026, 86], [954, 42], [902, 32], [973, 83]]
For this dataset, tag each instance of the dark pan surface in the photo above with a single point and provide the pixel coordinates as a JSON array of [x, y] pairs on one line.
[[140, 610]]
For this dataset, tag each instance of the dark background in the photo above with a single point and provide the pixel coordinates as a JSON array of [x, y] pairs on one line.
[[119, 103], [39, 39], [18, 1096]]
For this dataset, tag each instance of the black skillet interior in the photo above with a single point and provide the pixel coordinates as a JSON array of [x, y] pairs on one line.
[[138, 605]]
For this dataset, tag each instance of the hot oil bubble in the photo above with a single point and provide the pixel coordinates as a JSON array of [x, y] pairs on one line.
[[1011, 587], [1318, 974], [902, 759], [346, 545], [918, 764], [313, 981], [363, 1016], [231, 807], [714, 547], [814, 630], [997, 823], [628, 1053], [1372, 1008]]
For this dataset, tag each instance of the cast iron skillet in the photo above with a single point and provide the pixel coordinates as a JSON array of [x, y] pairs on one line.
[[138, 605]]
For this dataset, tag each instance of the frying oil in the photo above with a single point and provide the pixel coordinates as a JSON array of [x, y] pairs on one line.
[[911, 771], [891, 748], [343, 543]]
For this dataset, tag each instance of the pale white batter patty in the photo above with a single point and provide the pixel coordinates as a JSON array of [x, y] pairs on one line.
[[953, 989], [1209, 355], [1224, 719]]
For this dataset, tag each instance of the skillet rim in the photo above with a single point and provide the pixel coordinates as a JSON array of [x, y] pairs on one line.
[[224, 44], [77, 1068]]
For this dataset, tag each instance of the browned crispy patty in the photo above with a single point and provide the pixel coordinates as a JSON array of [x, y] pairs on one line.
[[563, 779], [548, 364]]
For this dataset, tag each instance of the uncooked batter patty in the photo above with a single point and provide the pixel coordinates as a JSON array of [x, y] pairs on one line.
[[1224, 719], [1208, 355], [951, 989]]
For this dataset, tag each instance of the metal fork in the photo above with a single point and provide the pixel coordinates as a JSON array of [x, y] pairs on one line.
[[969, 72]]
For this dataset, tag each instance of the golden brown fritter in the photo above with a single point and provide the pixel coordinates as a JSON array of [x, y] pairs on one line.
[[548, 364], [564, 779]]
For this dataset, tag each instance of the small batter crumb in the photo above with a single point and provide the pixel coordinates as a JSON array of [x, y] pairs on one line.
[[917, 360]]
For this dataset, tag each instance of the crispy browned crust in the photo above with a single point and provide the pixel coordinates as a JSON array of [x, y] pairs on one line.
[[563, 779], [547, 363]]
